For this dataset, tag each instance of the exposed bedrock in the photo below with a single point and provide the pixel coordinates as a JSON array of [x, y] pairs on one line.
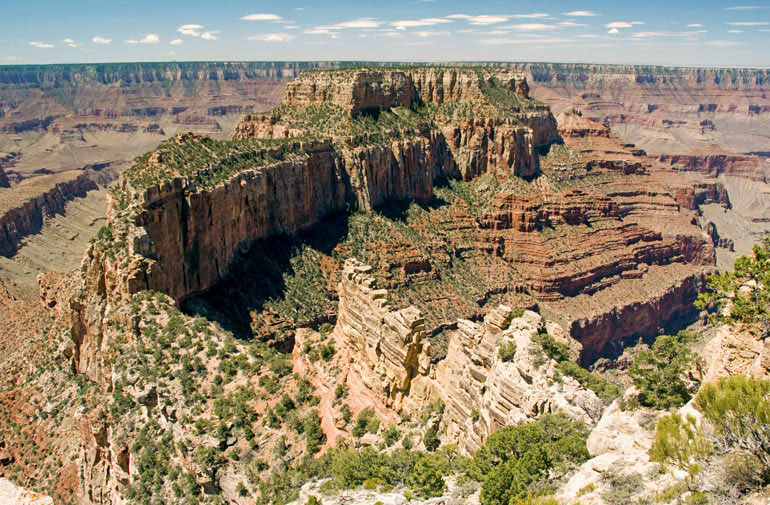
[[362, 90], [749, 167], [27, 219], [643, 318], [701, 193], [481, 391]]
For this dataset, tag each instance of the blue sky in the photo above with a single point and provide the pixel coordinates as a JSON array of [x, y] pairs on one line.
[[671, 32]]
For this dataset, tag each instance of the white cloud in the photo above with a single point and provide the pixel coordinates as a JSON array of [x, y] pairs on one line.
[[195, 31], [536, 15], [637, 22], [150, 38], [273, 37], [409, 23], [580, 13], [569, 24], [695, 25], [744, 8], [431, 33], [355, 23], [176, 42], [322, 31], [491, 19], [722, 43], [618, 24], [528, 27], [491, 42], [292, 27], [734, 31], [10, 58], [750, 23], [613, 30], [41, 45], [298, 9], [261, 17], [71, 43], [101, 40], [191, 30], [645, 35]]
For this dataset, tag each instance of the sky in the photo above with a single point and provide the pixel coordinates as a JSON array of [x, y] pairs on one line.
[[674, 32]]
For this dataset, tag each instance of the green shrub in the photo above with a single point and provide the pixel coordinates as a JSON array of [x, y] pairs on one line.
[[507, 351], [391, 435], [738, 408], [516, 457], [622, 487], [366, 422], [590, 380], [313, 431], [373, 483], [431, 439], [678, 440], [660, 373], [557, 351], [426, 479], [723, 288]]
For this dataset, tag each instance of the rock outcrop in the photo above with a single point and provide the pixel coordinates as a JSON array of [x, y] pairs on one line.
[[389, 345], [371, 89], [19, 222], [10, 494], [714, 165], [481, 390]]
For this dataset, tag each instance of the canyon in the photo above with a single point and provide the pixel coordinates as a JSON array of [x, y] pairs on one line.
[[409, 222]]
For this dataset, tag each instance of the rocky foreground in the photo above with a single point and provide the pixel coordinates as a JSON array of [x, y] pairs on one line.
[[359, 267]]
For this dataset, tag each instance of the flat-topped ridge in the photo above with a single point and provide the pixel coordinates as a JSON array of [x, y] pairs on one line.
[[366, 89]]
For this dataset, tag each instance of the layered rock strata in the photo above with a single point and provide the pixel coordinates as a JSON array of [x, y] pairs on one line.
[[27, 219], [181, 230], [390, 346], [481, 390]]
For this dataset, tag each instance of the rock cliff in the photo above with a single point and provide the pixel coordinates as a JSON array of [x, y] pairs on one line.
[[482, 391], [180, 215], [27, 219]]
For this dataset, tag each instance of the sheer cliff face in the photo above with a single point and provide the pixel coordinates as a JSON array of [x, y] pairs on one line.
[[205, 228]]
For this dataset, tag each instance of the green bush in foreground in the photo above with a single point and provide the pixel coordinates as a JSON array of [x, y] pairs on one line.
[[735, 430], [738, 408], [660, 373], [752, 303], [516, 458]]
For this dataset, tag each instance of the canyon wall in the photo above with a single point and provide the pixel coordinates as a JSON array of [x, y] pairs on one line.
[[179, 237], [19, 222], [481, 390]]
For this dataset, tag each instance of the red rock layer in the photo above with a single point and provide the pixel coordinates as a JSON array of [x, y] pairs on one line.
[[25, 220]]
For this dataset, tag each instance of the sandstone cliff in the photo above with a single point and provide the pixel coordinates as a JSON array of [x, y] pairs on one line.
[[22, 221], [180, 216], [481, 390]]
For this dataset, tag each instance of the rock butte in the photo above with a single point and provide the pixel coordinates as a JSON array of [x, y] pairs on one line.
[[183, 226]]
